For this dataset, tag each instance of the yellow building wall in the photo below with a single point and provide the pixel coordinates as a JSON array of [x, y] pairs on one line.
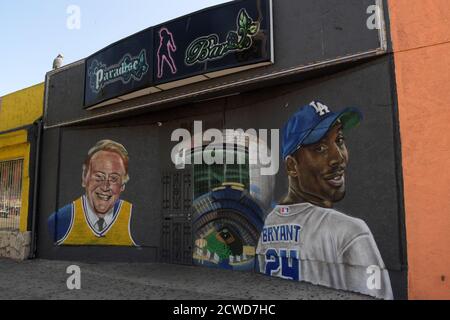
[[19, 109], [22, 107], [15, 146]]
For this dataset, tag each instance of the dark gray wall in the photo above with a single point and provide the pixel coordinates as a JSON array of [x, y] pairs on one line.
[[373, 194]]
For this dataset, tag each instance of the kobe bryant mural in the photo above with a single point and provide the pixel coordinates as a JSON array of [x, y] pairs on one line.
[[304, 238]]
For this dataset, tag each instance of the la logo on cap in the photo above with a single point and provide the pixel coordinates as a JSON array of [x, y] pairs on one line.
[[321, 109]]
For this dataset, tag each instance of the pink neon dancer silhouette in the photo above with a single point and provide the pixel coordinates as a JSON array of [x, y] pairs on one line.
[[166, 47]]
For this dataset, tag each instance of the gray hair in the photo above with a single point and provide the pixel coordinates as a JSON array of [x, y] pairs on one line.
[[111, 146]]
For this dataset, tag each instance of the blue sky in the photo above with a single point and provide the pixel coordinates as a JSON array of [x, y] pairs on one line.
[[33, 32]]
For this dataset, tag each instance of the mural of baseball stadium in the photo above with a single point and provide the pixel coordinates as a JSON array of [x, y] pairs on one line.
[[239, 137], [229, 205]]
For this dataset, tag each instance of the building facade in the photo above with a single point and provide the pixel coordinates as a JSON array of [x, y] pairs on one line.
[[20, 113], [259, 136]]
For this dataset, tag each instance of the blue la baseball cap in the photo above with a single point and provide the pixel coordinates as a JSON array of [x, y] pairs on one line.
[[311, 123]]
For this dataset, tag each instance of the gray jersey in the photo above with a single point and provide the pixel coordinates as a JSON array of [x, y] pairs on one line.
[[305, 242]]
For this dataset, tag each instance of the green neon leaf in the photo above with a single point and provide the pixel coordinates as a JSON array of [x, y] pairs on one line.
[[243, 19], [253, 28]]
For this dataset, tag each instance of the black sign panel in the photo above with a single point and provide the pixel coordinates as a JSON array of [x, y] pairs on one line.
[[224, 37], [228, 36], [121, 68]]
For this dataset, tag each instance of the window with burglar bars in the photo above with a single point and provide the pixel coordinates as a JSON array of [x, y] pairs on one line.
[[10, 194]]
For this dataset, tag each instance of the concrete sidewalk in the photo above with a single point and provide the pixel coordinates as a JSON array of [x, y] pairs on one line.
[[43, 279]]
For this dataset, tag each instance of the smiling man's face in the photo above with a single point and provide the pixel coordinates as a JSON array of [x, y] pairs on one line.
[[320, 169], [104, 181]]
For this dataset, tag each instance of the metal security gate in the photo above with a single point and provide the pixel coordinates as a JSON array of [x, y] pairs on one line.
[[10, 194], [176, 246]]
